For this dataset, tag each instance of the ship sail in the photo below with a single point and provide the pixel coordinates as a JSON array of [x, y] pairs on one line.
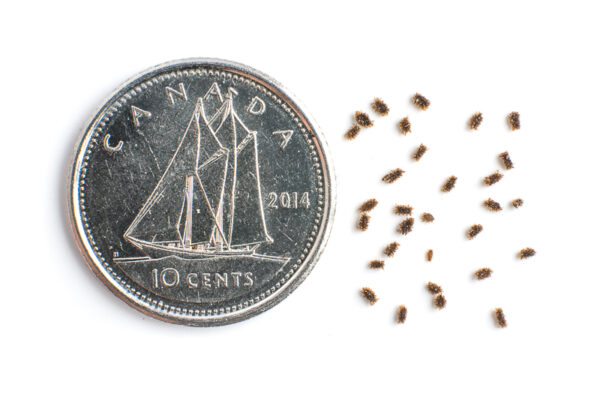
[[208, 200], [242, 211]]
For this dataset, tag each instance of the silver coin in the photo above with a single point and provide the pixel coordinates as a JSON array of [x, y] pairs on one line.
[[201, 193]]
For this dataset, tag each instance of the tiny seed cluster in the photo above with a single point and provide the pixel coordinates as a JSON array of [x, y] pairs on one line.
[[363, 121]]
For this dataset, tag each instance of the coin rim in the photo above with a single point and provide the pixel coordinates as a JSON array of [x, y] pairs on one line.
[[167, 315]]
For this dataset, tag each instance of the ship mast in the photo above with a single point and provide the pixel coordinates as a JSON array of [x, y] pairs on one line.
[[187, 231]]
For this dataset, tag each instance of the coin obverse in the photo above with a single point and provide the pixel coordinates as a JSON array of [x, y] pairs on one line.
[[201, 193]]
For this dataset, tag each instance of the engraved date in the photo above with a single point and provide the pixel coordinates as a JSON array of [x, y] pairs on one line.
[[292, 200]]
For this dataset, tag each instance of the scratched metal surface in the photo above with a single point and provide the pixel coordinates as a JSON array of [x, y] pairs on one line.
[[201, 193]]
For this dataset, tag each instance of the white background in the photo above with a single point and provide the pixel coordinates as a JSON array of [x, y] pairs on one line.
[[64, 335]]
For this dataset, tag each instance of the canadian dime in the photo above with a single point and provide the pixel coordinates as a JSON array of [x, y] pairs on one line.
[[201, 193]]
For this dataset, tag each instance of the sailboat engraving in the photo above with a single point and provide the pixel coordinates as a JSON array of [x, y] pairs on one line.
[[208, 202]]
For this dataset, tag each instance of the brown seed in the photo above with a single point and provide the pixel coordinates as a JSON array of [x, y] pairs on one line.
[[475, 121], [404, 126], [426, 217], [380, 107], [493, 178], [508, 164], [526, 253], [403, 210], [401, 315], [420, 101], [449, 184], [392, 176], [500, 318], [433, 288], [368, 205], [483, 273], [419, 152], [363, 222], [439, 301], [390, 249], [405, 226], [516, 203], [363, 119], [352, 133], [492, 205], [474, 230], [514, 120], [376, 264], [369, 295], [429, 255]]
